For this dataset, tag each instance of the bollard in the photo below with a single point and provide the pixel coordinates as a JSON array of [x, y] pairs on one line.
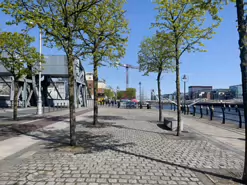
[[211, 112], [64, 105], [53, 107], [171, 106], [49, 108], [201, 111], [229, 107], [174, 107], [223, 113], [240, 118], [57, 106], [43, 108], [188, 110], [236, 108], [194, 110], [140, 106], [207, 110]]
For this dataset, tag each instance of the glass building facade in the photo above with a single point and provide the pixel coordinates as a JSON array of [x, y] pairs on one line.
[[237, 91]]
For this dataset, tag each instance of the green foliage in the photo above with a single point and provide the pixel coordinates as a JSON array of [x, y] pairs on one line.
[[130, 93], [155, 55], [16, 54], [60, 21], [182, 24], [120, 95], [109, 93], [106, 32]]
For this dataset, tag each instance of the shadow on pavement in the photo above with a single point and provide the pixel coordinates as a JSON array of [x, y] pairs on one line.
[[109, 117], [9, 130], [101, 124], [87, 142], [181, 166]]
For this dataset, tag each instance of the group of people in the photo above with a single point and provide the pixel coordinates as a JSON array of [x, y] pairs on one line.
[[108, 102]]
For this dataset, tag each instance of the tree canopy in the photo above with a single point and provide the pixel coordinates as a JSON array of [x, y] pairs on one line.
[[16, 54]]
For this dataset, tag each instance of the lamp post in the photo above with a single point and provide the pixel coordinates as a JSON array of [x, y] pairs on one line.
[[140, 89], [185, 79], [39, 101], [117, 92]]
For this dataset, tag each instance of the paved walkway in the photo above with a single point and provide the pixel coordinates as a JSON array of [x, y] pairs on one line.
[[232, 137], [128, 147], [16, 137]]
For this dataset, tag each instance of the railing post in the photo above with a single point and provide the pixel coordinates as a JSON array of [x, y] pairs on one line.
[[223, 112], [201, 111], [240, 118], [194, 110], [188, 110], [211, 112]]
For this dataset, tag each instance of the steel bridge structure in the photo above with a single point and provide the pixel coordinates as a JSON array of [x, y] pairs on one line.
[[54, 85]]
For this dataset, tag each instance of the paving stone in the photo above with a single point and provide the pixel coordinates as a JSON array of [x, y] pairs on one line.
[[115, 156]]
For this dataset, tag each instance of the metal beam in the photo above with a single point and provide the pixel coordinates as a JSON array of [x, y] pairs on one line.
[[5, 82], [29, 97], [55, 88]]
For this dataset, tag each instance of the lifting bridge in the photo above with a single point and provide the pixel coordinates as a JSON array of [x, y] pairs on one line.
[[54, 85]]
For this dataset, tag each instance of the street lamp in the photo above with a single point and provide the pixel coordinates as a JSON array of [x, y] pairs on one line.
[[140, 86], [185, 79], [39, 102], [117, 92]]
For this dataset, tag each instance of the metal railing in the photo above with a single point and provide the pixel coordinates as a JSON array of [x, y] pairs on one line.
[[235, 115]]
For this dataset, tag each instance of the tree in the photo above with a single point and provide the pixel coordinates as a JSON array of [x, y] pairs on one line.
[[155, 56], [106, 33], [109, 93], [60, 21], [120, 95], [16, 54], [181, 24], [242, 30], [130, 93]]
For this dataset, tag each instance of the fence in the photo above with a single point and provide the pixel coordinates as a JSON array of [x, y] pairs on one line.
[[223, 113]]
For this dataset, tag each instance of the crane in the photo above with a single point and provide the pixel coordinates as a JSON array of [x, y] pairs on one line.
[[127, 66]]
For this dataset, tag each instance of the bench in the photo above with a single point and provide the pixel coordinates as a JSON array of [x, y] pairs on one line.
[[172, 123]]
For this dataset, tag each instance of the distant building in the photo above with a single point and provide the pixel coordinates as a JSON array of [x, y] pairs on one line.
[[153, 96], [236, 91], [221, 94], [199, 91], [101, 85]]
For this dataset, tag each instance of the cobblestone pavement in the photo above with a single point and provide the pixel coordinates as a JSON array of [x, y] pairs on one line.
[[127, 148]]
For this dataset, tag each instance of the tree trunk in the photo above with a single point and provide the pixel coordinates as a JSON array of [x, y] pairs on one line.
[[72, 119], [15, 107], [243, 57], [159, 95], [178, 95], [95, 91]]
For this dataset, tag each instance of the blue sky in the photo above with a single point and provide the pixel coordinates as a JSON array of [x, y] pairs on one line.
[[218, 67]]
